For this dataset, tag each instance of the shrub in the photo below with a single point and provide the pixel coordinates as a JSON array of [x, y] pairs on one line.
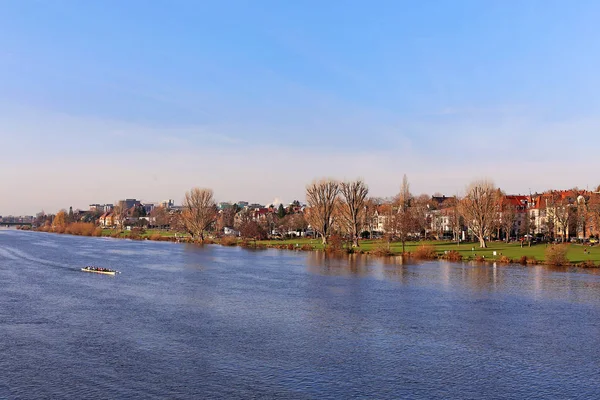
[[98, 232], [229, 241], [587, 264], [531, 261], [155, 236], [425, 252], [133, 235], [246, 243], [453, 255], [307, 247], [523, 260], [479, 258], [557, 255], [138, 231], [335, 244], [383, 249], [505, 260]]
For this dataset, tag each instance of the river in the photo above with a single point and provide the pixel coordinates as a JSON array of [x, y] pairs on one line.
[[191, 322]]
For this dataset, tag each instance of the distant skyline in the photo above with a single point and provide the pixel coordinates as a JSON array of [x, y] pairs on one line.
[[103, 100]]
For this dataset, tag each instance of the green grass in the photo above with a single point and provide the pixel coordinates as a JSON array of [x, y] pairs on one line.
[[146, 234], [514, 251], [467, 250]]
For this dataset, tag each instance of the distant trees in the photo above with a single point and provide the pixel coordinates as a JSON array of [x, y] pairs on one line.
[[280, 211], [60, 219], [321, 197], [249, 228], [252, 230], [292, 223], [226, 218], [199, 212], [352, 207], [138, 211], [160, 216], [479, 208]]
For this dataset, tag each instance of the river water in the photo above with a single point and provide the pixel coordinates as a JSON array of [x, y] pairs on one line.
[[192, 322]]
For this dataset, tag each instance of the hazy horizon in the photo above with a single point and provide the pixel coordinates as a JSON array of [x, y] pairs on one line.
[[101, 101]]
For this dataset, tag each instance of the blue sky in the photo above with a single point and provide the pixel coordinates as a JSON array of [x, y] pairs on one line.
[[101, 100]]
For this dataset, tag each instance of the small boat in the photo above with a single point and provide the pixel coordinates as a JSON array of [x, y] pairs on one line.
[[99, 270]]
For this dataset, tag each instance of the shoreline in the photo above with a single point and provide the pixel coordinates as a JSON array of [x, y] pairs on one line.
[[423, 251]]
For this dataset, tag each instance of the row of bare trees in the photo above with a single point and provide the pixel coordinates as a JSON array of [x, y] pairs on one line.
[[342, 205], [345, 207], [332, 203]]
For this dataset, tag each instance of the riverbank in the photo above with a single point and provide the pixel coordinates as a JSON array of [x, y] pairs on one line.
[[497, 252]]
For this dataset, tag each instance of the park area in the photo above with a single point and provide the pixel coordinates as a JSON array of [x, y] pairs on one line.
[[576, 253], [496, 250]]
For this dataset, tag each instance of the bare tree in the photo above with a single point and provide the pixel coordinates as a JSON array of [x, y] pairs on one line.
[[160, 216], [403, 220], [321, 198], [421, 210], [582, 214], [354, 195], [527, 227], [199, 212], [508, 216], [119, 213], [561, 211], [479, 208], [371, 205], [226, 218], [455, 218], [594, 211]]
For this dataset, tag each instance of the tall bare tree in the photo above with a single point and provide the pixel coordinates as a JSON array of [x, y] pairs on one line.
[[199, 212], [527, 227], [455, 219], [479, 209], [404, 219], [561, 210], [119, 214], [508, 216], [594, 211], [582, 214], [354, 196], [321, 198]]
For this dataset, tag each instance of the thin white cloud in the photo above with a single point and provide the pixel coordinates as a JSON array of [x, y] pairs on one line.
[[61, 160]]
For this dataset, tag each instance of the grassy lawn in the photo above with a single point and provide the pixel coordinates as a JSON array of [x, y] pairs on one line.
[[468, 250], [146, 234], [514, 251]]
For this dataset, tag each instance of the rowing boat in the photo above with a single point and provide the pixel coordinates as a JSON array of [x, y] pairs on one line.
[[104, 271]]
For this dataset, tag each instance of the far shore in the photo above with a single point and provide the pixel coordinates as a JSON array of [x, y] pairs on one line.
[[498, 252]]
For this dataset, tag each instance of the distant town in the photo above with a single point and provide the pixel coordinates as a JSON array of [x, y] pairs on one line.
[[346, 209]]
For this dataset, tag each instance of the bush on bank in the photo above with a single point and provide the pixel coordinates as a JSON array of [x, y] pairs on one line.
[[557, 255], [75, 228]]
